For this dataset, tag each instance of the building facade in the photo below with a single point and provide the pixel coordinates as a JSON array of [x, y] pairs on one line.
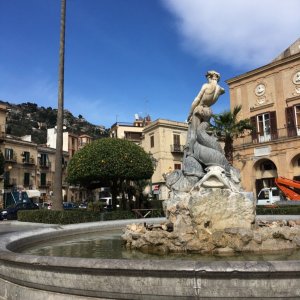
[[28, 166], [130, 131], [270, 98], [164, 140]]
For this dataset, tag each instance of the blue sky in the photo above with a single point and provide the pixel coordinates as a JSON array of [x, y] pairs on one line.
[[126, 57]]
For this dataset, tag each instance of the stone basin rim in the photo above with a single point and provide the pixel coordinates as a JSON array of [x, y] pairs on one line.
[[13, 241]]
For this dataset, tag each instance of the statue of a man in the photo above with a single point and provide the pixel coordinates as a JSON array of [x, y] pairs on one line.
[[200, 110]]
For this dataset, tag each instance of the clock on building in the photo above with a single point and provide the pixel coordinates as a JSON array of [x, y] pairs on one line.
[[296, 78], [260, 89]]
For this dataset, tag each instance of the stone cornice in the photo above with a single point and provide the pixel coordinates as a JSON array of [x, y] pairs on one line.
[[264, 68]]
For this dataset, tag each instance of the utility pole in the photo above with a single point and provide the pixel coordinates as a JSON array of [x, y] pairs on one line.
[[57, 190]]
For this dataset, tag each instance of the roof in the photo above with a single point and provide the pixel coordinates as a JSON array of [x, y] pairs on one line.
[[292, 53], [291, 50]]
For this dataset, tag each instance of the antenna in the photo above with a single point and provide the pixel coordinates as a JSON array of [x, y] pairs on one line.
[[146, 105]]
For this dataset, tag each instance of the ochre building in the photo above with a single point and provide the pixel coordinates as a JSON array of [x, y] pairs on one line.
[[270, 98]]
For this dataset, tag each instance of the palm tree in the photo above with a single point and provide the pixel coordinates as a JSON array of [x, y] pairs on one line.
[[57, 188], [227, 128]]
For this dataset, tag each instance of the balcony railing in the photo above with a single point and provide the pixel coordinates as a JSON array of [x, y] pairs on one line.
[[280, 134], [11, 158], [175, 148], [45, 164], [29, 161], [45, 184]]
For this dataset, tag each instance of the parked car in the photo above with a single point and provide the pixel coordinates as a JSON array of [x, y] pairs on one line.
[[69, 205], [11, 213], [83, 205]]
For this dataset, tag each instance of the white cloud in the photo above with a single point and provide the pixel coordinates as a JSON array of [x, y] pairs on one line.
[[237, 32]]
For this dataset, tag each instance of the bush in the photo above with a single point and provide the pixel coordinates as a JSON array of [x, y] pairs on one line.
[[58, 217], [72, 216], [96, 206], [118, 215], [278, 210]]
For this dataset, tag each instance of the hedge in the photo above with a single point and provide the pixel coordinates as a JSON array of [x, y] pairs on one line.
[[75, 216], [58, 217], [278, 210]]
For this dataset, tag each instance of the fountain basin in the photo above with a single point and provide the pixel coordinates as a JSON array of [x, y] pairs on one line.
[[36, 277]]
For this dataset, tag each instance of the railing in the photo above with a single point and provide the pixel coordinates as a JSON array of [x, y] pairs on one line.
[[11, 158], [45, 184], [280, 134], [177, 148], [133, 136], [29, 161], [45, 164]]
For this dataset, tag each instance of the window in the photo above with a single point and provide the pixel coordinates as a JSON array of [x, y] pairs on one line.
[[267, 165], [43, 179], [177, 166], [152, 141], [9, 154], [176, 143], [26, 179], [265, 127], [26, 157], [44, 160], [292, 115], [176, 139]]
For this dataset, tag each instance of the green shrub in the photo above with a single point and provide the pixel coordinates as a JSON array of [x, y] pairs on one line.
[[58, 217], [278, 210], [72, 216], [96, 206], [118, 215]]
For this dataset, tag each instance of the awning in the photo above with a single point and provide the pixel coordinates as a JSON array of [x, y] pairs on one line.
[[33, 193]]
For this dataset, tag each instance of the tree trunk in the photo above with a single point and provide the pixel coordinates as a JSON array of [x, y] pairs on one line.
[[58, 200], [114, 193], [228, 149]]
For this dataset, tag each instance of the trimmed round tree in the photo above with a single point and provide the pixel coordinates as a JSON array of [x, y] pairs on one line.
[[108, 162]]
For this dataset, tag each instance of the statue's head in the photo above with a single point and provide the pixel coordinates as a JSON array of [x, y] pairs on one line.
[[213, 75]]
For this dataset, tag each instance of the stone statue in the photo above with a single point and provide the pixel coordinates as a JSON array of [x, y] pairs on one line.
[[204, 162]]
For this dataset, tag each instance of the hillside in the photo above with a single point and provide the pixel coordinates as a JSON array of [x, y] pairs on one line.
[[30, 119]]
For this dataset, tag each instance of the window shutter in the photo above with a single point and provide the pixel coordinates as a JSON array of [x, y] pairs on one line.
[[273, 124], [290, 121], [254, 131]]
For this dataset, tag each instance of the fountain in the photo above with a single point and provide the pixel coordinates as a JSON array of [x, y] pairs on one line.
[[207, 213]]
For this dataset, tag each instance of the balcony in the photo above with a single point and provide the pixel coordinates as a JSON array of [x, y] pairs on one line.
[[29, 161], [279, 135], [10, 158], [177, 148], [45, 164], [45, 184], [133, 136]]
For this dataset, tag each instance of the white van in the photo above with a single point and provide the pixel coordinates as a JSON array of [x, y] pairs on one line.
[[268, 196]]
